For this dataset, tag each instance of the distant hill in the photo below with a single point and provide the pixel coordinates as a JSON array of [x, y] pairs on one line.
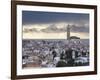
[[74, 37]]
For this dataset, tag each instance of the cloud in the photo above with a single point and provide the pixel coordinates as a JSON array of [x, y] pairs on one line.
[[53, 28], [73, 28], [57, 28], [80, 28], [26, 30]]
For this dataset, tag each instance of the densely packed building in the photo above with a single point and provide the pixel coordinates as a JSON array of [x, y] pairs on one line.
[[55, 53]]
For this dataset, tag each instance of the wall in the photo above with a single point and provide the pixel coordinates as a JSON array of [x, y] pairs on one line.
[[5, 32]]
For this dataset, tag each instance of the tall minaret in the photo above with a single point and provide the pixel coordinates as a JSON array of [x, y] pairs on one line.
[[68, 31]]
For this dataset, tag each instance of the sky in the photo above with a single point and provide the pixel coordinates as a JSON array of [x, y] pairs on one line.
[[53, 25]]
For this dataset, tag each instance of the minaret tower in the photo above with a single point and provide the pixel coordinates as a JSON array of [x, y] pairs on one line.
[[68, 31]]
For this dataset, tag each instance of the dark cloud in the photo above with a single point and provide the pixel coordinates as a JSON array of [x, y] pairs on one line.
[[36, 17]]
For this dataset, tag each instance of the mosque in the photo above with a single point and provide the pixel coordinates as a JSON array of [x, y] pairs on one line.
[[68, 34]]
